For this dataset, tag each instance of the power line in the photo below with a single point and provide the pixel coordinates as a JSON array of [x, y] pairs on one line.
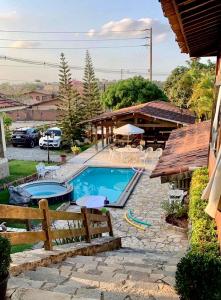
[[73, 40], [71, 48], [72, 32], [56, 65]]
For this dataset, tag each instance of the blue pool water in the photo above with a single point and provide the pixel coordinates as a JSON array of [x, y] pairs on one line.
[[45, 189], [109, 182]]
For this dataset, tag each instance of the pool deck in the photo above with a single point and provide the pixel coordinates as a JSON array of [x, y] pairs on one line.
[[145, 200]]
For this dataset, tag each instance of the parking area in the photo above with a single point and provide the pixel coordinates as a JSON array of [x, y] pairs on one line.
[[36, 154]]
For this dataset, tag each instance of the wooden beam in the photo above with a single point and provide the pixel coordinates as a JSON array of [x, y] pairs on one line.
[[183, 10], [193, 16]]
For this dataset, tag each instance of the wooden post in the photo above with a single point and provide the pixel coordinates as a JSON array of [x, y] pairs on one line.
[[46, 224], [102, 135], [109, 223], [96, 146], [112, 133], [107, 135], [86, 223]]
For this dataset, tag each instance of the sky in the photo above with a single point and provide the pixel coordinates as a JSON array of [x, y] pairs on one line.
[[99, 21]]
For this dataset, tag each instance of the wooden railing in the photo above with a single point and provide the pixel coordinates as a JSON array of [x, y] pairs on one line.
[[47, 234]]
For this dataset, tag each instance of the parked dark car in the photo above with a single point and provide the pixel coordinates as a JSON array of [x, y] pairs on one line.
[[25, 137]]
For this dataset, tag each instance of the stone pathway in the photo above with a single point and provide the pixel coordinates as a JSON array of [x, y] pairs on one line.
[[117, 275]]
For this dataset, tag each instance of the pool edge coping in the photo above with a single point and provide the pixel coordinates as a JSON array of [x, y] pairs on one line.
[[127, 191]]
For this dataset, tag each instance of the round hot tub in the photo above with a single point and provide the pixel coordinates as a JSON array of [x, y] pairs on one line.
[[53, 191]]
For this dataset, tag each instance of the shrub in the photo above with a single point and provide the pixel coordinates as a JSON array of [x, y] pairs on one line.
[[198, 277], [174, 208], [5, 259]]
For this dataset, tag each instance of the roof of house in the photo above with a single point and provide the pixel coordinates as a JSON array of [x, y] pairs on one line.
[[49, 101], [156, 109], [47, 93], [196, 24], [7, 104], [186, 148]]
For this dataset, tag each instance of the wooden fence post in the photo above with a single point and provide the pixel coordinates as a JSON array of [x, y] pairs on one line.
[[46, 224], [86, 223], [109, 223]]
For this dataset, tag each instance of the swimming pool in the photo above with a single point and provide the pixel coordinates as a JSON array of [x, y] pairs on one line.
[[114, 183], [51, 190]]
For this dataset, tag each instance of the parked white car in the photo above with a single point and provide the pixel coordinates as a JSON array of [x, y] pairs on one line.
[[52, 138]]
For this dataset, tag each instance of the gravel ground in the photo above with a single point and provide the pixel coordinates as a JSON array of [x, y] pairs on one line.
[[35, 154]]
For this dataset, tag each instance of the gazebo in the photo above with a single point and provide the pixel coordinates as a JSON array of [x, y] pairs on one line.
[[156, 118]]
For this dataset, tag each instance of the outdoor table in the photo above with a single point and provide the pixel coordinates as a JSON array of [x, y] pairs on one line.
[[91, 201], [127, 150]]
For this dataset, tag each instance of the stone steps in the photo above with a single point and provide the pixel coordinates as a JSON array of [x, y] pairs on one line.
[[122, 274]]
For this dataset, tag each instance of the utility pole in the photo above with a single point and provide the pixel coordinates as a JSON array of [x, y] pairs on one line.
[[121, 74], [149, 44], [151, 56]]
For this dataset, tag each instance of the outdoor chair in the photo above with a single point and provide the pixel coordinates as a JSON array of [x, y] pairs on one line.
[[140, 147], [41, 170], [159, 152], [149, 149], [176, 195], [144, 157]]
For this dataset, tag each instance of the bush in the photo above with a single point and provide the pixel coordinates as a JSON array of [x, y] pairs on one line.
[[198, 277], [174, 208], [5, 259], [203, 236]]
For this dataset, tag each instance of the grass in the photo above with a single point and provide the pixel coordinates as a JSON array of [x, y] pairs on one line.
[[19, 169], [20, 248]]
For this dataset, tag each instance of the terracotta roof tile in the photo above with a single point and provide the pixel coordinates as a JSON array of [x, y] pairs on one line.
[[186, 147], [156, 109], [6, 103]]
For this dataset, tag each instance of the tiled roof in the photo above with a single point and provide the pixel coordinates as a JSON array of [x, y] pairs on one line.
[[186, 148], [155, 109], [7, 103]]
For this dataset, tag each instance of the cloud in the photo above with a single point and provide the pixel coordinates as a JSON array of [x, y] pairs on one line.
[[115, 28], [25, 44], [8, 15]]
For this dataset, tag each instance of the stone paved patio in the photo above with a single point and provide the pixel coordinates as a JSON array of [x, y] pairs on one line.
[[145, 201]]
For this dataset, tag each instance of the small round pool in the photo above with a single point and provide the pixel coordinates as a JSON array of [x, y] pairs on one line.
[[53, 191]]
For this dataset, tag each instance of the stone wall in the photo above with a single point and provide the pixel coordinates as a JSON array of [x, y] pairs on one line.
[[4, 170]]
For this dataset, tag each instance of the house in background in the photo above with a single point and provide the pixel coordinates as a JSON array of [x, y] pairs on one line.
[[36, 96], [6, 105]]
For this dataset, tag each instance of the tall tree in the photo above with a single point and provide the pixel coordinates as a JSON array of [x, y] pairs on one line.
[[181, 84], [131, 91], [202, 97], [91, 93], [70, 106]]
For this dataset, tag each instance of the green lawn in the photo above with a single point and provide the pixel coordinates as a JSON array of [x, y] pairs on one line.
[[19, 169]]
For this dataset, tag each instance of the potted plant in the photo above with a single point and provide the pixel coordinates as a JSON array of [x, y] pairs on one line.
[[63, 158], [5, 259], [76, 150]]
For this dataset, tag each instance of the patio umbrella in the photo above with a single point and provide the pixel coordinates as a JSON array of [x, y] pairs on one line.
[[128, 130]]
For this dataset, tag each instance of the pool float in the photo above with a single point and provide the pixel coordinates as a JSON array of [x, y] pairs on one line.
[[131, 216], [131, 223]]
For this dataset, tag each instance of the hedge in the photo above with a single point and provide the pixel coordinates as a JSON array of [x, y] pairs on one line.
[[199, 272], [203, 235]]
